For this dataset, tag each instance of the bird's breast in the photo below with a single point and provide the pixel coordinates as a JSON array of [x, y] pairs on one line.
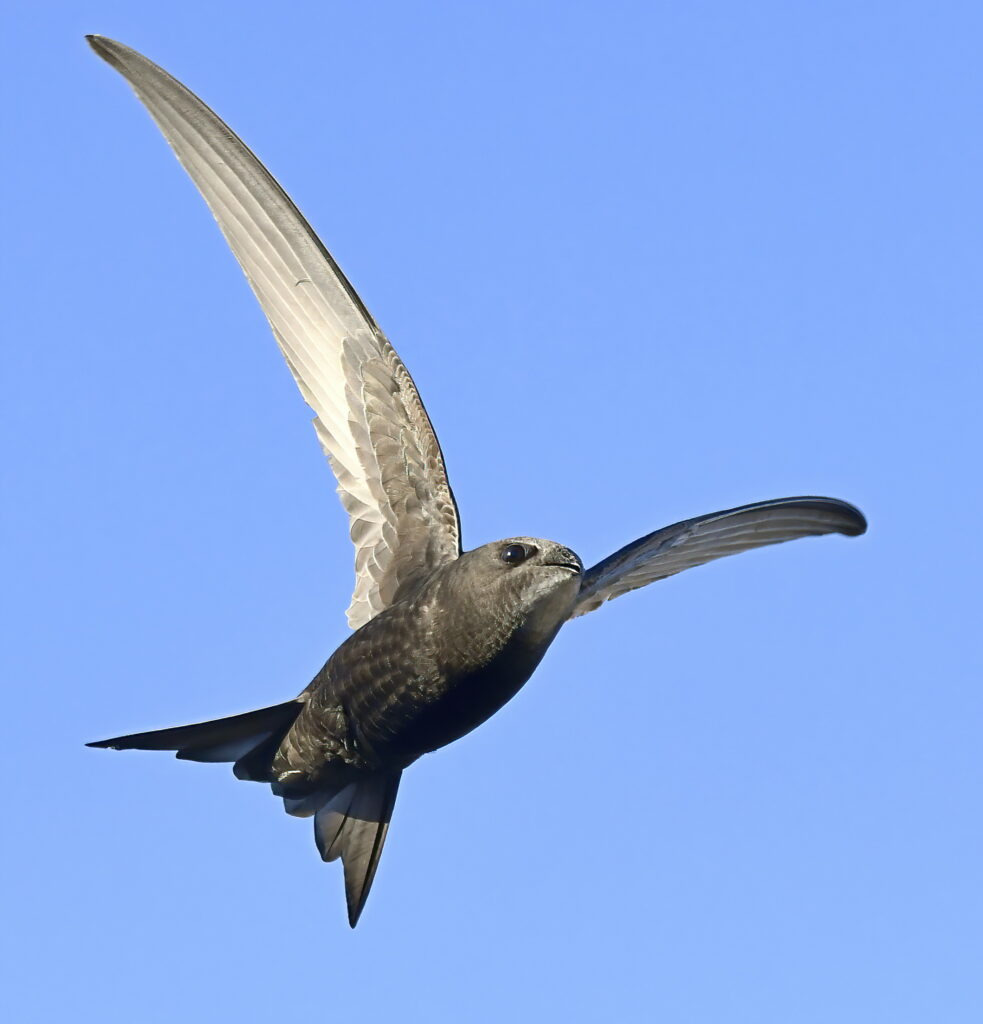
[[424, 673]]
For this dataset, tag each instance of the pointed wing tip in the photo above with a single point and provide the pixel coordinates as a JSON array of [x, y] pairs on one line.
[[103, 744], [102, 45], [116, 54], [113, 53]]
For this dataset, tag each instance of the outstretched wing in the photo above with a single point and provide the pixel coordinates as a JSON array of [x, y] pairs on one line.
[[695, 541], [370, 420]]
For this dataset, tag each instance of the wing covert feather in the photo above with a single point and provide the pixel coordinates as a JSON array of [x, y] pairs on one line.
[[370, 420], [704, 538]]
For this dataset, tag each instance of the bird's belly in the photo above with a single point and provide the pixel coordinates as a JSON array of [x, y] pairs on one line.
[[415, 707], [400, 693], [469, 700]]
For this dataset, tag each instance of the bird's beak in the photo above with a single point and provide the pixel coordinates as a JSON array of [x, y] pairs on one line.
[[564, 558]]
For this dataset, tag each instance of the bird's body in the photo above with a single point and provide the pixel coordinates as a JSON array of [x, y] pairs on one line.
[[443, 637], [432, 667]]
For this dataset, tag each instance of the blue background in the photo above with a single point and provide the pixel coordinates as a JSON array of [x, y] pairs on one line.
[[645, 261]]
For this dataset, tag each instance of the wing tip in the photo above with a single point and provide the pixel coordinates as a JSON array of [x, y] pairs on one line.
[[113, 53], [850, 521], [855, 522], [102, 45], [857, 527], [120, 56]]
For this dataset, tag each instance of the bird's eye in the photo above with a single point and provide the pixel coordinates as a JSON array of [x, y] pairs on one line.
[[516, 554]]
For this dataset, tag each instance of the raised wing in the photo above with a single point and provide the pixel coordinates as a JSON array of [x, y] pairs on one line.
[[369, 417], [695, 541]]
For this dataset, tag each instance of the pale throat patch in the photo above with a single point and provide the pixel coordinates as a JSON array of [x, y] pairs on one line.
[[551, 604]]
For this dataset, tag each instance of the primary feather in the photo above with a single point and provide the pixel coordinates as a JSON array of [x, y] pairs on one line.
[[702, 539], [370, 420]]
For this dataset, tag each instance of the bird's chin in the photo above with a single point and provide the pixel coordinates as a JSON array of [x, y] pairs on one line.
[[549, 576], [550, 598]]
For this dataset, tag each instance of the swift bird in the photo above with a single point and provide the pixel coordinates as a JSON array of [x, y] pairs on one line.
[[443, 637]]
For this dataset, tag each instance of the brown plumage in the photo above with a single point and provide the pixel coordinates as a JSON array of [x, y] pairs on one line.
[[443, 638]]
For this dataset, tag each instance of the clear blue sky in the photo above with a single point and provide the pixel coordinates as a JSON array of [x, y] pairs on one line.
[[645, 261]]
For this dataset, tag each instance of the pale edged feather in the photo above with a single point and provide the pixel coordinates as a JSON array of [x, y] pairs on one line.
[[696, 541], [370, 420]]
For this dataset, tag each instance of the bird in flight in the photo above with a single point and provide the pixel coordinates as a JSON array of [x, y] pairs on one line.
[[442, 637]]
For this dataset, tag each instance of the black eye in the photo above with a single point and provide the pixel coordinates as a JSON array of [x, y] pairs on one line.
[[516, 554]]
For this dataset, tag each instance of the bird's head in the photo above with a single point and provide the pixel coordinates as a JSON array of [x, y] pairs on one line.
[[532, 579]]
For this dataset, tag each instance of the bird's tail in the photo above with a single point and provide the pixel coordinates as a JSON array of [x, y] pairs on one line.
[[224, 739], [352, 825], [351, 818]]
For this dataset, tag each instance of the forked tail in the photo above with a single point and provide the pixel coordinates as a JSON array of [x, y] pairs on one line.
[[352, 825], [224, 739], [350, 822]]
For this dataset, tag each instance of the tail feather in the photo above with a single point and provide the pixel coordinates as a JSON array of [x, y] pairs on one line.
[[351, 819], [352, 825], [224, 739], [222, 752], [253, 764], [307, 805]]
